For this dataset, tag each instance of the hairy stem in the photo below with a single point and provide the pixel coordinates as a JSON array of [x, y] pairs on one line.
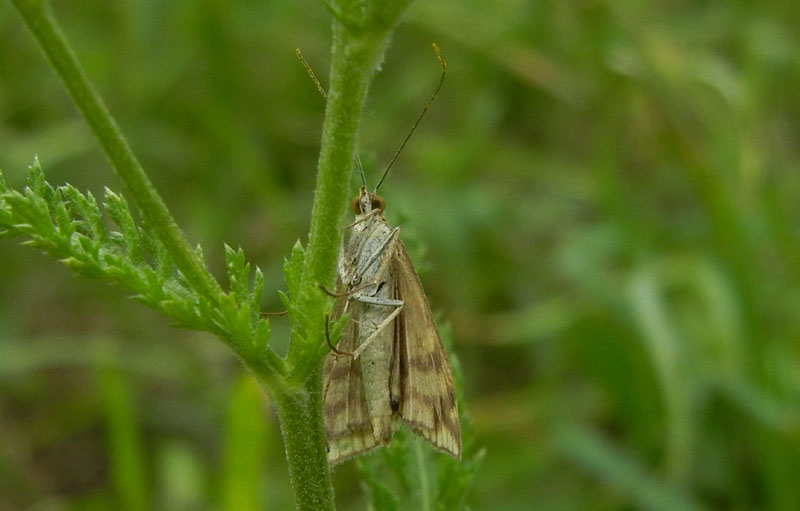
[[300, 415], [47, 33]]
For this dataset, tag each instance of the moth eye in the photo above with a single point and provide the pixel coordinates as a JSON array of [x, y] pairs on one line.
[[378, 202], [355, 205]]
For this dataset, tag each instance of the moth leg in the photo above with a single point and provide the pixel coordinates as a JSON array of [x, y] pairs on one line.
[[385, 323], [332, 294], [377, 300], [328, 338]]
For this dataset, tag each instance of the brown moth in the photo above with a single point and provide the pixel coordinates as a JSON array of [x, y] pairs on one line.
[[390, 363]]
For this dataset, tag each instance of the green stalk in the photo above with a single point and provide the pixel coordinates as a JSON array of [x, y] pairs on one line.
[[45, 30], [300, 417]]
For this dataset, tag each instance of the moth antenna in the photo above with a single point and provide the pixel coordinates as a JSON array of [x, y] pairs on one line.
[[419, 118], [325, 97], [311, 74], [361, 171]]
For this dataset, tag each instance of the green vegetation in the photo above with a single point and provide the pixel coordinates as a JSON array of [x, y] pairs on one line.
[[601, 203]]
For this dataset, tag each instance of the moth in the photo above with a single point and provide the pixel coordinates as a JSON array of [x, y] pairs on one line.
[[390, 364]]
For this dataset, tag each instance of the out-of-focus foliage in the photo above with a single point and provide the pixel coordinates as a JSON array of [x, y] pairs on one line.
[[603, 202]]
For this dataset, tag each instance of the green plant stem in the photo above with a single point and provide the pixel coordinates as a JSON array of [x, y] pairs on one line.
[[47, 33], [300, 415]]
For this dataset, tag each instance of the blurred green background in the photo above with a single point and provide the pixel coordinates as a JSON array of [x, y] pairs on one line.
[[602, 205]]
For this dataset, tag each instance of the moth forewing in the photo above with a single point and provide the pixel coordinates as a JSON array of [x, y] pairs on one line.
[[427, 401], [396, 367]]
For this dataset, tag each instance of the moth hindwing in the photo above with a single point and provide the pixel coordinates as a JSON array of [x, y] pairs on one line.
[[390, 363]]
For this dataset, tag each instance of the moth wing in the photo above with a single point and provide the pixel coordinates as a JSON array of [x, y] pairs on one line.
[[348, 429], [421, 373]]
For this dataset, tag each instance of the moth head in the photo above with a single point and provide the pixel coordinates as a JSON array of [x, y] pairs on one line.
[[366, 202]]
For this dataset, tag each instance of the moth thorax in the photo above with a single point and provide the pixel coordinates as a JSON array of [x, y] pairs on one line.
[[366, 202]]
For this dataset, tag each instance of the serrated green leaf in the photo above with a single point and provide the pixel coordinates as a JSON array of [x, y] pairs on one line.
[[228, 306], [183, 314], [35, 177], [180, 281], [243, 330], [238, 273], [75, 263], [235, 320], [162, 262], [85, 267], [114, 242], [284, 297], [69, 225], [86, 209], [89, 246], [3, 186], [22, 228], [120, 214], [63, 221], [165, 265], [5, 215], [263, 333], [198, 254], [293, 269], [152, 279], [257, 293], [110, 260], [32, 209], [37, 183]]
